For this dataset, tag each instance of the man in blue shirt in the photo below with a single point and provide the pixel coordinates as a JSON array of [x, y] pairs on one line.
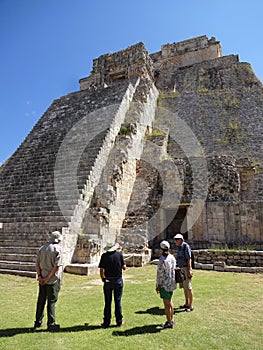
[[183, 260]]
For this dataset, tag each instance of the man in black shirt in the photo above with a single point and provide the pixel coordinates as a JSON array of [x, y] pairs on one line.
[[111, 266]]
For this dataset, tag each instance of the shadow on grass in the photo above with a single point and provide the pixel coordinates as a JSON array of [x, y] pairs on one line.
[[10, 332], [158, 311], [79, 328], [152, 328], [178, 310], [152, 311]]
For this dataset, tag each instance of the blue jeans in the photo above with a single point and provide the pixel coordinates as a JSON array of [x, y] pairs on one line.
[[115, 286]]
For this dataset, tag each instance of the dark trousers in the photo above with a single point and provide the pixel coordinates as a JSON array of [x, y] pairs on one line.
[[49, 293], [113, 286]]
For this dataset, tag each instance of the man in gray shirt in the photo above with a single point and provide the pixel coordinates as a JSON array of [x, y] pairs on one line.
[[49, 271]]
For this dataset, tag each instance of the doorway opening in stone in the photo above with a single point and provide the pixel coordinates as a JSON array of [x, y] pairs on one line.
[[118, 76], [172, 221], [176, 223]]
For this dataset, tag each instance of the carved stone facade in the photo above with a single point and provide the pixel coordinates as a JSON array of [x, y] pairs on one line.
[[133, 62]]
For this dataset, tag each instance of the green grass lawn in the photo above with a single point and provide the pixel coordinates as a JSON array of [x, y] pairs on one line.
[[228, 314]]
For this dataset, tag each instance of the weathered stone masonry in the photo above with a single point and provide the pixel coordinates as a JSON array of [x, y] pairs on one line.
[[104, 164]]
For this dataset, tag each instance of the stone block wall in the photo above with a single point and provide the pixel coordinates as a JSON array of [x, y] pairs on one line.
[[212, 97], [229, 258], [220, 118], [184, 53], [229, 224]]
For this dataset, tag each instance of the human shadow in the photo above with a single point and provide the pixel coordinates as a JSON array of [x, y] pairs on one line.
[[178, 310], [151, 328], [152, 311], [158, 311], [10, 332], [85, 327]]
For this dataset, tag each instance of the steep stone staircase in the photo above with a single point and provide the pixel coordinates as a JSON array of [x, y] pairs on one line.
[[112, 194], [29, 208]]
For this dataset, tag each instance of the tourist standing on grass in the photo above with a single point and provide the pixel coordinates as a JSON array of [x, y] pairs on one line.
[[49, 272], [111, 266], [183, 259], [165, 282]]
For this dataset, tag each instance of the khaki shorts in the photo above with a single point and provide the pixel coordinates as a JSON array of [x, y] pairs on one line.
[[187, 283]]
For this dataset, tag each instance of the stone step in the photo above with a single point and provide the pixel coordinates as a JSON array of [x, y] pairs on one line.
[[17, 257], [17, 265], [31, 274], [39, 228], [82, 269], [37, 234], [31, 206], [56, 220], [33, 221], [18, 243], [24, 236], [20, 249]]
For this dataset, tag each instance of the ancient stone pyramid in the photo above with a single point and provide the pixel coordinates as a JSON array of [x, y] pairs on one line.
[[151, 145]]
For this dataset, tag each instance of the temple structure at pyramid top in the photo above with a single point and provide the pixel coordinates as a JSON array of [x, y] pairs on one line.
[[135, 62]]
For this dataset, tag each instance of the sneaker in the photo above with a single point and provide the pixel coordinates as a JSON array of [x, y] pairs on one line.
[[37, 325], [104, 325], [119, 324], [164, 325], [189, 309], [183, 306], [53, 327], [167, 325]]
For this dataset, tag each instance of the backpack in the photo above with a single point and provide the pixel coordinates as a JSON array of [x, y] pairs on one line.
[[192, 257]]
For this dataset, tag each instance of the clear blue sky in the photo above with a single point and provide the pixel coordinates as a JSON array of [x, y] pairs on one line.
[[48, 45]]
